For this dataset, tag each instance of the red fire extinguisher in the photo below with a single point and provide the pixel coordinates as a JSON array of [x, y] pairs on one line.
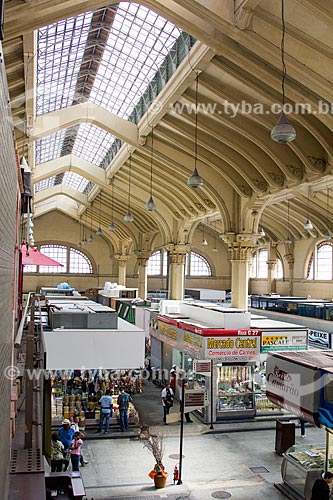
[[175, 474]]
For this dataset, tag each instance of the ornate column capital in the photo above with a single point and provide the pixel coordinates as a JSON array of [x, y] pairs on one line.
[[239, 245], [121, 258], [142, 257], [177, 253], [271, 264]]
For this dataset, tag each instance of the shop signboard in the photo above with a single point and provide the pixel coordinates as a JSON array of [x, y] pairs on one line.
[[167, 332], [202, 367], [234, 346], [193, 344], [294, 383], [283, 341], [195, 399], [318, 339]]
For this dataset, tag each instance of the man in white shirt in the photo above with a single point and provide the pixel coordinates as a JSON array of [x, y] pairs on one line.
[[167, 401], [106, 411]]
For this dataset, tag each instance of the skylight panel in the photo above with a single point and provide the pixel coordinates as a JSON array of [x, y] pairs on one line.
[[45, 184], [60, 50], [74, 181], [49, 147], [131, 58], [92, 143]]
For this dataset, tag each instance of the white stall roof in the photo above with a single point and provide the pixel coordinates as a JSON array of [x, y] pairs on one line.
[[271, 324], [119, 348]]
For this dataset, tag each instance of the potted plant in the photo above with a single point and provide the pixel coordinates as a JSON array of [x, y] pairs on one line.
[[154, 443]]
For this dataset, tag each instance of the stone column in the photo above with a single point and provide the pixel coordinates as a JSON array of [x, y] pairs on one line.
[[240, 247], [271, 285], [142, 259], [291, 261], [177, 256], [271, 265], [122, 261]]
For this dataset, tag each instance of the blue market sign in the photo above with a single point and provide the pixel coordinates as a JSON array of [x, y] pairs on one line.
[[318, 339]]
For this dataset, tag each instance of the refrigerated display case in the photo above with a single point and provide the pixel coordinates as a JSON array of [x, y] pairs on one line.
[[235, 396], [301, 466]]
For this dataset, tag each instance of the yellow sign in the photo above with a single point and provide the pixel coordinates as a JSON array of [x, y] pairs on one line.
[[192, 339], [167, 330], [274, 340]]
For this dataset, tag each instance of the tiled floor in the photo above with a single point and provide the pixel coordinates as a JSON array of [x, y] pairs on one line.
[[218, 464]]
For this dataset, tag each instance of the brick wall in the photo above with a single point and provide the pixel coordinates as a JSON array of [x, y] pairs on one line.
[[8, 201]]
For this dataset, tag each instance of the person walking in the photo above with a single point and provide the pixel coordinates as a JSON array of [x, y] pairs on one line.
[[123, 402], [66, 434], [167, 401], [57, 456], [106, 411], [75, 426], [75, 449], [321, 489]]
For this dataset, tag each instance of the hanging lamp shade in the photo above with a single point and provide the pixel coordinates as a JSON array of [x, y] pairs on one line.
[[283, 132], [308, 226], [112, 227], [195, 181], [328, 236], [99, 232], [128, 217], [150, 205]]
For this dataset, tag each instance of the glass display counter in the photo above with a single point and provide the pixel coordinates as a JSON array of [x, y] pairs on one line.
[[264, 406], [301, 466], [235, 397]]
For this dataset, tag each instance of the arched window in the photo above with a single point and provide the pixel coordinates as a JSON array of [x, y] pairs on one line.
[[279, 269], [259, 268], [158, 263], [259, 265], [197, 265], [320, 265], [73, 261]]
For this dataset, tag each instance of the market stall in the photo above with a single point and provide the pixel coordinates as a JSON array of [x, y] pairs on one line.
[[75, 395]]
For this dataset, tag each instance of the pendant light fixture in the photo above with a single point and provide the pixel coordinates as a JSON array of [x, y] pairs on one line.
[[262, 233], [204, 242], [84, 241], [129, 217], [214, 249], [283, 132], [308, 226], [112, 227], [288, 240], [91, 238], [327, 235], [150, 205], [80, 229], [99, 231], [195, 181]]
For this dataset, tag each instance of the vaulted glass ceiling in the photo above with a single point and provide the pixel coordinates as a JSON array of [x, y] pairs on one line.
[[108, 57]]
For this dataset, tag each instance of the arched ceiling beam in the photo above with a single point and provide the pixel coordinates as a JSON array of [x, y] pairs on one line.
[[59, 202], [60, 189], [86, 112], [69, 163]]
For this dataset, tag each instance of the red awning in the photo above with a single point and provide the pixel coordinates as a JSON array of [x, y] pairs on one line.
[[34, 258]]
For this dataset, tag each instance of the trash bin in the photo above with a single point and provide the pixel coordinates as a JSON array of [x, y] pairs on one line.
[[284, 436]]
